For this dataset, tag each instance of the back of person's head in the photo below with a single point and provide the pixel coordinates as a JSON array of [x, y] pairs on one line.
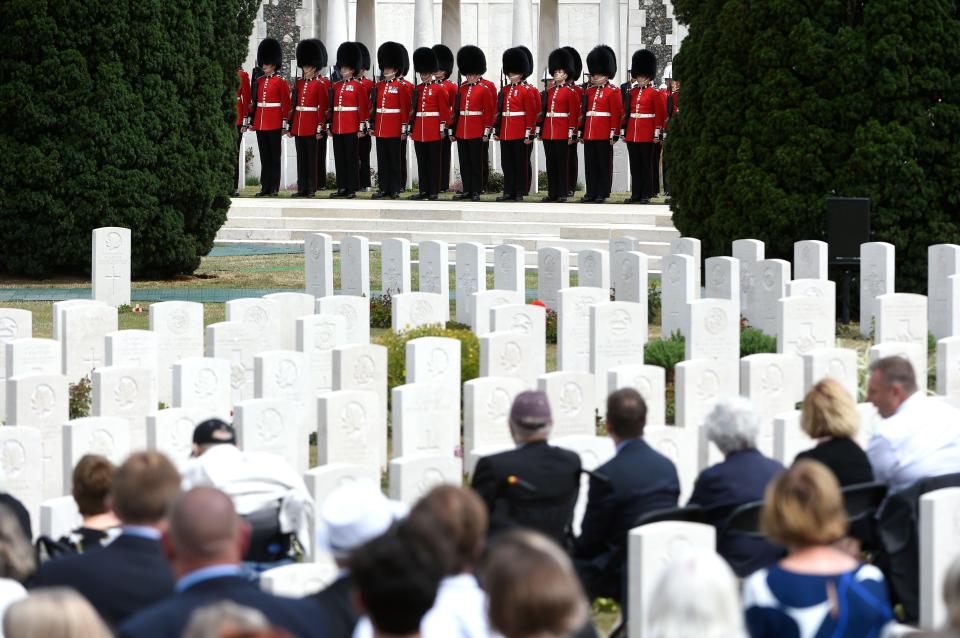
[[92, 481], [697, 595], [458, 515], [530, 417], [144, 487], [354, 514], [951, 595], [210, 433], [224, 618], [896, 371], [205, 529], [829, 411], [733, 424], [532, 587], [17, 559], [396, 576], [57, 612], [626, 414], [803, 506]]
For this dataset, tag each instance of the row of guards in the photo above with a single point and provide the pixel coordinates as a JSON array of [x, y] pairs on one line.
[[435, 112]]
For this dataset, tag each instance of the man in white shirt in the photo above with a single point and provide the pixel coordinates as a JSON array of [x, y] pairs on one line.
[[919, 436], [264, 488]]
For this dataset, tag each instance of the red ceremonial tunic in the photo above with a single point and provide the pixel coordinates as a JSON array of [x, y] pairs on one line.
[[243, 97], [604, 112], [310, 110], [562, 114], [647, 114], [432, 112], [273, 103], [518, 112], [351, 105], [391, 109], [478, 110]]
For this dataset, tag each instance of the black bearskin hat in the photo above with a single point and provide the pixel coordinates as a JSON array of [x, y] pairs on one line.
[[425, 61], [560, 59], [514, 61], [269, 52], [406, 62], [390, 56], [577, 63], [349, 55], [529, 57], [310, 53], [644, 64], [444, 58], [602, 61], [364, 56], [471, 60]]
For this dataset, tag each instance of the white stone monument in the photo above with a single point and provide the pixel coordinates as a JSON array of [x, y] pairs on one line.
[[127, 393], [355, 266], [712, 329], [262, 316], [83, 330], [553, 275], [317, 336], [948, 367], [633, 276], [915, 353], [836, 363], [877, 272], [411, 477], [700, 382], [237, 343], [618, 334], [171, 431], [318, 264], [203, 382], [110, 271], [291, 306], [416, 309], [105, 436], [355, 312], [426, 420], [901, 317], [509, 268], [179, 329], [943, 261], [679, 289], [351, 425], [41, 401], [649, 381], [508, 354], [769, 285], [747, 252], [593, 268], [680, 446], [364, 367], [15, 325], [481, 303], [572, 398], [486, 411], [810, 259], [529, 320], [573, 326], [274, 426], [939, 545], [471, 277], [395, 266], [434, 269], [722, 276], [690, 246], [285, 375], [805, 324]]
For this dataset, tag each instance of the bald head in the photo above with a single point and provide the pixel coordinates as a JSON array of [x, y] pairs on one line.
[[205, 528]]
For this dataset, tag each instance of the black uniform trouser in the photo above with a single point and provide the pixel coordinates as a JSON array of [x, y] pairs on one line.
[[484, 165], [347, 162], [388, 164], [320, 170], [641, 180], [513, 161], [470, 153], [269, 144], [364, 144], [655, 170], [555, 153], [428, 166], [573, 164], [597, 163], [530, 170], [403, 163], [236, 176], [306, 163], [445, 156]]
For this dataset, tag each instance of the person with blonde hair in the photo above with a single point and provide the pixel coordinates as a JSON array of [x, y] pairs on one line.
[[830, 416], [17, 560], [57, 612], [816, 590]]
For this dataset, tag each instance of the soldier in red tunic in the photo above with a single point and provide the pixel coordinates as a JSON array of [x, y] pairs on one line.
[[473, 116], [271, 109], [673, 107], [432, 112], [561, 115], [573, 157], [485, 146], [320, 178], [403, 139], [517, 110], [309, 112], [603, 106], [643, 122], [365, 143], [442, 76], [243, 114], [535, 92], [351, 110], [390, 119]]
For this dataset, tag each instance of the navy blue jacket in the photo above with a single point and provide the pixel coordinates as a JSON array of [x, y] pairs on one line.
[[741, 478], [128, 575], [303, 618], [636, 481]]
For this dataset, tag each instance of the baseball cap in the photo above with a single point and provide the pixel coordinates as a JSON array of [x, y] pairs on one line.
[[214, 431], [530, 410]]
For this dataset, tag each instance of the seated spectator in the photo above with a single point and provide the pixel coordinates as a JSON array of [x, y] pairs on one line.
[[351, 515], [58, 612], [636, 481], [92, 479], [11, 502], [396, 577], [732, 425], [265, 489], [919, 436], [535, 485], [697, 595], [205, 543], [130, 573], [533, 589], [17, 561], [816, 590], [830, 416]]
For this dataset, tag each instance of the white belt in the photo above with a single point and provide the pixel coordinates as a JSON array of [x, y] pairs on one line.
[[598, 113], [345, 108], [510, 113], [642, 116], [429, 114], [553, 114], [308, 108], [388, 110], [471, 112], [267, 105]]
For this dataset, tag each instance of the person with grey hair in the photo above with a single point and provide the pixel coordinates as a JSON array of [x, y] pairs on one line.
[[732, 424], [224, 616], [534, 485]]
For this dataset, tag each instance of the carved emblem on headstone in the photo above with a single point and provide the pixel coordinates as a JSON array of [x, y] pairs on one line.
[[511, 357], [42, 401], [101, 442], [13, 458], [353, 419], [126, 392], [571, 399], [270, 426], [365, 370], [286, 374], [206, 383]]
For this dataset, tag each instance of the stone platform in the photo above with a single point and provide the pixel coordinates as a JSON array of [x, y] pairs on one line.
[[531, 225]]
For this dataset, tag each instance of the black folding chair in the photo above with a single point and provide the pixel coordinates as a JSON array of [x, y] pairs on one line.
[[688, 514], [745, 520], [863, 500]]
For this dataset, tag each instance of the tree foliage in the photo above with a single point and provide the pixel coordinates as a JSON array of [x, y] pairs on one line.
[[787, 102], [117, 114]]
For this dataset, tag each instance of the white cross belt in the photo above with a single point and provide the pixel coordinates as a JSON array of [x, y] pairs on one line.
[[429, 114], [388, 110], [471, 112], [642, 116], [345, 108], [554, 114], [308, 108], [598, 113], [267, 105], [511, 113]]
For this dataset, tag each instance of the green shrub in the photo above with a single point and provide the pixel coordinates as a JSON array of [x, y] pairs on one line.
[[331, 184], [654, 299], [666, 353], [495, 182], [543, 183], [551, 326], [396, 344], [80, 398], [381, 311], [753, 341]]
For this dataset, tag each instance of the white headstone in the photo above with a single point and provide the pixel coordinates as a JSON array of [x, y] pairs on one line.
[[15, 324], [877, 272], [527, 319], [486, 408], [263, 317], [948, 367], [471, 277], [915, 353], [712, 328], [237, 343], [789, 439], [633, 273], [111, 265], [572, 398], [434, 360], [83, 330], [56, 312], [318, 264], [594, 451], [810, 259], [769, 284], [836, 363], [509, 268], [573, 326], [291, 306], [179, 329], [812, 288], [774, 383], [275, 426], [203, 382], [722, 276], [171, 431], [689, 246], [323, 480], [553, 275], [939, 544], [699, 382], [285, 375], [747, 252], [355, 266], [680, 445], [23, 477], [415, 309], [101, 435], [41, 401], [943, 260], [805, 324], [678, 290], [411, 477], [618, 334], [395, 266], [350, 427], [482, 302], [355, 312], [508, 354], [32, 356], [298, 580], [127, 393], [133, 348], [434, 269], [952, 323], [593, 268], [364, 367], [618, 246], [901, 317], [317, 336], [650, 381], [59, 516], [426, 420]]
